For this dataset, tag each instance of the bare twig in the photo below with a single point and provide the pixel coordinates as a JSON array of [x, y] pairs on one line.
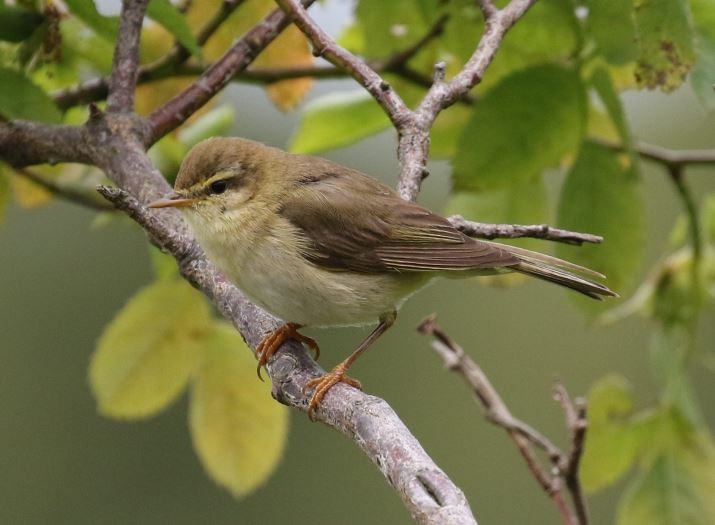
[[522, 434], [325, 46], [670, 158], [577, 423], [125, 67], [414, 142], [515, 231], [218, 75], [65, 192]]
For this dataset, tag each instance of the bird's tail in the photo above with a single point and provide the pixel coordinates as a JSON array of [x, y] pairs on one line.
[[559, 272]]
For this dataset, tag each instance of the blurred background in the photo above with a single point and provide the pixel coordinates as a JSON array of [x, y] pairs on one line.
[[62, 278]]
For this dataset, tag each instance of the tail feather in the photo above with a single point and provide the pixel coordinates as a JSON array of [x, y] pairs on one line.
[[555, 271], [564, 278]]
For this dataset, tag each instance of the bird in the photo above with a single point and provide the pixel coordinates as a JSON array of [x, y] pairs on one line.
[[319, 244]]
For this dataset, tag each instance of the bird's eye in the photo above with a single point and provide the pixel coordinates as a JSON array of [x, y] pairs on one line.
[[219, 186]]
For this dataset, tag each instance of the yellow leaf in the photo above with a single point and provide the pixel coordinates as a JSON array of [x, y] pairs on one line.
[[290, 49], [145, 356], [238, 430], [28, 194]]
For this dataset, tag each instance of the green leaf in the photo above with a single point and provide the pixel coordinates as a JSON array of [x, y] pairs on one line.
[[527, 123], [336, 120], [677, 489], [612, 442], [163, 265], [17, 24], [390, 26], [600, 196], [601, 81], [238, 430], [164, 12], [20, 98], [665, 43], [105, 26], [523, 204], [612, 26], [145, 356], [444, 135], [549, 33], [702, 77]]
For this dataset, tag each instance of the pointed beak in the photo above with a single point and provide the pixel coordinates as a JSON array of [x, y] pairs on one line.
[[175, 201]]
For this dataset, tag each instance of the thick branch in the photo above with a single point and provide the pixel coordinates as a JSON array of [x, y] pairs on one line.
[[515, 231], [427, 492], [215, 78], [23, 143], [125, 67]]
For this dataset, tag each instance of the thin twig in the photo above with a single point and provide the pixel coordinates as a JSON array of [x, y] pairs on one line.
[[325, 46], [498, 413], [167, 66], [125, 67], [414, 142], [515, 231], [577, 424], [67, 193], [218, 75], [668, 157]]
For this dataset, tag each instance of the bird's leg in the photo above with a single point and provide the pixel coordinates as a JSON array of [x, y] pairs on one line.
[[337, 375], [275, 339]]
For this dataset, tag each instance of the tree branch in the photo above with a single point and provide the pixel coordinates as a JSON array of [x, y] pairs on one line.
[[414, 143], [325, 46], [167, 66], [218, 75], [369, 421], [523, 435], [670, 158], [515, 231], [123, 80]]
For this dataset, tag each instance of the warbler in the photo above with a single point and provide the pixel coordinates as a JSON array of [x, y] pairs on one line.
[[319, 244]]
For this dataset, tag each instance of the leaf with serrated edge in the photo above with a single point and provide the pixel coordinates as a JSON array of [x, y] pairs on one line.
[[238, 430], [676, 489], [528, 122], [665, 43], [145, 356]]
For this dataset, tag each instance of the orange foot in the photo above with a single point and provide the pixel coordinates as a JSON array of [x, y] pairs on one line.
[[324, 383], [273, 341]]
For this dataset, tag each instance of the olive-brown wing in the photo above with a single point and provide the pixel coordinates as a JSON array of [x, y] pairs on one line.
[[353, 222]]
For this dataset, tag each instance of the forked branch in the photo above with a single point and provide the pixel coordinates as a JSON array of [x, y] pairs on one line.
[[525, 438]]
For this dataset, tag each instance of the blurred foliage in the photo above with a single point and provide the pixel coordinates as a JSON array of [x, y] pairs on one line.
[[550, 98]]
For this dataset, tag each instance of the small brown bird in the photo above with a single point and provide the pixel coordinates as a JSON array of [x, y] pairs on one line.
[[319, 244]]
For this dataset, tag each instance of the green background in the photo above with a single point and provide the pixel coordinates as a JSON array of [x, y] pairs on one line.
[[62, 280]]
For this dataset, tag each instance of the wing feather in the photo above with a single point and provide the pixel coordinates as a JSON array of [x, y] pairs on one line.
[[381, 232]]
